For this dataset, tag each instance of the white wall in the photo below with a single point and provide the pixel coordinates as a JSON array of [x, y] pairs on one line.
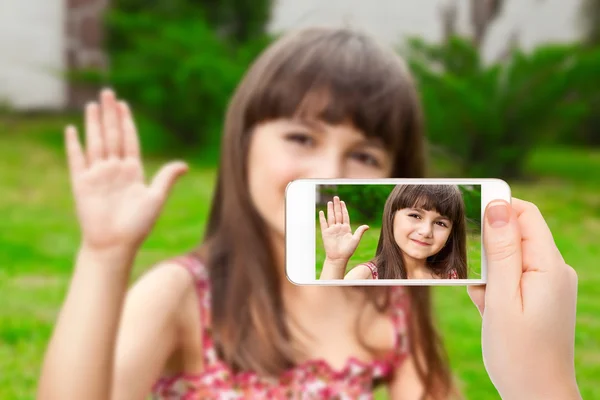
[[391, 20], [32, 36], [31, 53]]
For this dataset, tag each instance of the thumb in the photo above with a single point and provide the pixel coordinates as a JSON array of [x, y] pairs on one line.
[[359, 232], [165, 178], [477, 295], [502, 247]]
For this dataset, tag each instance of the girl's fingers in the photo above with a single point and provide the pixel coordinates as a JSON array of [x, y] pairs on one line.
[[322, 220], [75, 156], [131, 144], [360, 232], [330, 214], [110, 124], [165, 178], [345, 214], [93, 133], [338, 210]]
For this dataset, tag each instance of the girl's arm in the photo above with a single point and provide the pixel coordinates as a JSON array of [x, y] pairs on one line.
[[108, 345], [116, 210], [334, 269]]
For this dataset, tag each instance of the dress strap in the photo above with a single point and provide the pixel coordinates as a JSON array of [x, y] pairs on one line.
[[202, 284], [373, 269], [400, 303]]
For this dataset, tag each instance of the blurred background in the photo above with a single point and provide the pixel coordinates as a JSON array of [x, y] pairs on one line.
[[365, 207], [510, 89]]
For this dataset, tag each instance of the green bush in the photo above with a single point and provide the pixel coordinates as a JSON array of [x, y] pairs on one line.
[[489, 117], [177, 72], [365, 202]]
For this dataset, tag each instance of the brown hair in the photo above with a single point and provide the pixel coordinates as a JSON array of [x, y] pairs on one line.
[[446, 200], [335, 75]]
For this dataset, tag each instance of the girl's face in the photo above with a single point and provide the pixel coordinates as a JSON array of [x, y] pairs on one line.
[[284, 150], [420, 233]]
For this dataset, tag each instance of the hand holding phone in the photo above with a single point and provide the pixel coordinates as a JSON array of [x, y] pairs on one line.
[[528, 306], [339, 241]]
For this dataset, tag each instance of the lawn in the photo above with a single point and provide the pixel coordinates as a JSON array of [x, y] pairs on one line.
[[38, 238]]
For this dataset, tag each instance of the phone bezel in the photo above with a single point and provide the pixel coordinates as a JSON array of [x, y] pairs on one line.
[[300, 242]]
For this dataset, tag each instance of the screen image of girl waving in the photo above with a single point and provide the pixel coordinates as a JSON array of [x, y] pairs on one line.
[[423, 236]]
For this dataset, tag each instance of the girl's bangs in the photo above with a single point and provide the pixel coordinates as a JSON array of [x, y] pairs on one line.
[[443, 199], [338, 78]]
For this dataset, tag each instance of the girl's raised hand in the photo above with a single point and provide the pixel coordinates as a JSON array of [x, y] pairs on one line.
[[338, 240], [115, 208]]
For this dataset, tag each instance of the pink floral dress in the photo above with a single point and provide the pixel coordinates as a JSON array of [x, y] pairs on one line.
[[451, 275], [314, 379]]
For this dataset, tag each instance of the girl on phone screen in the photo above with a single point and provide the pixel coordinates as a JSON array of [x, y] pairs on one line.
[[423, 236], [222, 321]]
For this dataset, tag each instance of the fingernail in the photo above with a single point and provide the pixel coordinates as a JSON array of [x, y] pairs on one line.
[[498, 214]]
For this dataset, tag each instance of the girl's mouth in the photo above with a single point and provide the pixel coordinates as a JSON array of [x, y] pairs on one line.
[[420, 243]]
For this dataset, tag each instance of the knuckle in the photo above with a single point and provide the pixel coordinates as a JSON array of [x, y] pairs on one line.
[[571, 273], [533, 208], [501, 249]]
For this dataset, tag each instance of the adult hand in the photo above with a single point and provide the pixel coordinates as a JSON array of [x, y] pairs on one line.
[[528, 306]]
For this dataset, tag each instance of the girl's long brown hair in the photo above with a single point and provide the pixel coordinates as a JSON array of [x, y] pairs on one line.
[[446, 200], [337, 76]]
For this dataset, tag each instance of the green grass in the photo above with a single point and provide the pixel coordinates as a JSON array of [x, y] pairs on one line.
[[38, 237]]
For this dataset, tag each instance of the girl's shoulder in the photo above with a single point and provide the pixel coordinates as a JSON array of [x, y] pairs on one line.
[[366, 270]]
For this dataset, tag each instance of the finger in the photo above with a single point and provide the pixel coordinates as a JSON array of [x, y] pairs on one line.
[[75, 156], [338, 210], [330, 215], [131, 144], [360, 231], [538, 242], [345, 215], [322, 220], [167, 176], [502, 247], [94, 141], [477, 295], [110, 124]]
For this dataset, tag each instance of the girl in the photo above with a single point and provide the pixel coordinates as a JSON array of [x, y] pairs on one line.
[[423, 235], [222, 321]]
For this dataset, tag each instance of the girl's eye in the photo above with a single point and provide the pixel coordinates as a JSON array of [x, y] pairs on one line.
[[300, 138], [366, 158], [414, 215], [443, 224]]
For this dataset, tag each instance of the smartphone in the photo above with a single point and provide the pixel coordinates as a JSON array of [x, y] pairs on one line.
[[395, 231]]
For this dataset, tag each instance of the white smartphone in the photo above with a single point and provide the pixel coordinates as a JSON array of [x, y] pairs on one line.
[[386, 232]]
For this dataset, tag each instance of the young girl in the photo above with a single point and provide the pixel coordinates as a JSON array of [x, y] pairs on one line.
[[222, 321], [423, 236]]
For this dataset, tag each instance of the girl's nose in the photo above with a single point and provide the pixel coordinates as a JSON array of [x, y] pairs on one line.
[[327, 168], [425, 229]]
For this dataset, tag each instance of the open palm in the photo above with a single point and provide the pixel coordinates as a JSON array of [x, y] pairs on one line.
[[114, 206], [339, 241]]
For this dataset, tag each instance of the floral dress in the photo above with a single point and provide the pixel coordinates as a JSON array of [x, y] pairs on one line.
[[314, 379], [451, 275]]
